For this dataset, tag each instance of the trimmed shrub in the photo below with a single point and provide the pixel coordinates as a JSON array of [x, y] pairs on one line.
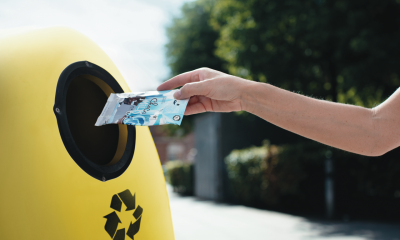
[[181, 176], [291, 178], [261, 176], [245, 173]]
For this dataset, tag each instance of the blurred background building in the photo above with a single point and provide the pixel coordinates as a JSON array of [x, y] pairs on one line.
[[173, 147]]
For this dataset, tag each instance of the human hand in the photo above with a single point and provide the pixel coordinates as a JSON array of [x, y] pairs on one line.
[[209, 90]]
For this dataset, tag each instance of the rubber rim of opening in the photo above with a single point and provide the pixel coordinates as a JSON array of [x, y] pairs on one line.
[[100, 172]]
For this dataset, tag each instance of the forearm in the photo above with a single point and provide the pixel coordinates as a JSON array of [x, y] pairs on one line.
[[355, 129], [347, 127]]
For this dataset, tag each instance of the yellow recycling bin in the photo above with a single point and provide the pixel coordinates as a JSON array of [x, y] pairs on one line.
[[62, 177]]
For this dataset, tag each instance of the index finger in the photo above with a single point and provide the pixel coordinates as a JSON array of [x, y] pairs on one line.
[[179, 80]]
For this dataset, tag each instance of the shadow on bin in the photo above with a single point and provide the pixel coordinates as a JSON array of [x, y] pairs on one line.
[[62, 177]]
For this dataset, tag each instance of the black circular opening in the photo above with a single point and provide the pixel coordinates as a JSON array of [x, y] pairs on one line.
[[102, 152], [85, 101]]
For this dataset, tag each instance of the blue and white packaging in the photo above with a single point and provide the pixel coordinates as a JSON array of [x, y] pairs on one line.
[[143, 109]]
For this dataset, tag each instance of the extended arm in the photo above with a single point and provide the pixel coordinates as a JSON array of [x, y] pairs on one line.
[[370, 132]]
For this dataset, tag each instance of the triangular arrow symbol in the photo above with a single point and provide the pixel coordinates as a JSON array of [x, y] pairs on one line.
[[116, 203], [112, 223], [120, 235], [128, 199], [138, 212], [134, 228]]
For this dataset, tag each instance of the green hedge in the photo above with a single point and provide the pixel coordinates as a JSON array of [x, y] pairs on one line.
[[261, 176], [181, 176], [291, 178]]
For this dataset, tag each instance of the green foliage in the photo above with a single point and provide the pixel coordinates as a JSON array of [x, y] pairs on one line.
[[245, 172], [191, 45], [260, 176], [192, 39], [181, 176], [340, 50], [291, 178], [336, 49]]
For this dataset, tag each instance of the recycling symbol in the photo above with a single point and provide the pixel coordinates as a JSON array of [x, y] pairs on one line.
[[113, 219]]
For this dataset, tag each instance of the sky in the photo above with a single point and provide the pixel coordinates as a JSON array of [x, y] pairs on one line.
[[131, 32]]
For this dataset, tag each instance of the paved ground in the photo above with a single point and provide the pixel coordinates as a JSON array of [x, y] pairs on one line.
[[199, 220]]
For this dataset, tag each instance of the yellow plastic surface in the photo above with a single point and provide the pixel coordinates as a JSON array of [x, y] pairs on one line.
[[44, 193]]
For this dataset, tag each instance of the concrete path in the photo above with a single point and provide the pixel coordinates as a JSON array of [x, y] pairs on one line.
[[200, 220]]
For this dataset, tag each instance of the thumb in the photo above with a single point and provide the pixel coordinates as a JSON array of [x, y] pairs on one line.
[[192, 89]]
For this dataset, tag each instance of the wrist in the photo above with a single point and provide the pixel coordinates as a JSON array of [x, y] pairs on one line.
[[248, 95]]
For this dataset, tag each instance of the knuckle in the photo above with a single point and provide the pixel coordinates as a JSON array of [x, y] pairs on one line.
[[195, 77], [186, 88], [204, 71]]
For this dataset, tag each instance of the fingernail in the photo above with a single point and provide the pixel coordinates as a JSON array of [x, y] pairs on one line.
[[177, 94]]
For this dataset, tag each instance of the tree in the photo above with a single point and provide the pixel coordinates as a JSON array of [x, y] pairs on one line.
[[341, 50], [192, 39], [191, 45]]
